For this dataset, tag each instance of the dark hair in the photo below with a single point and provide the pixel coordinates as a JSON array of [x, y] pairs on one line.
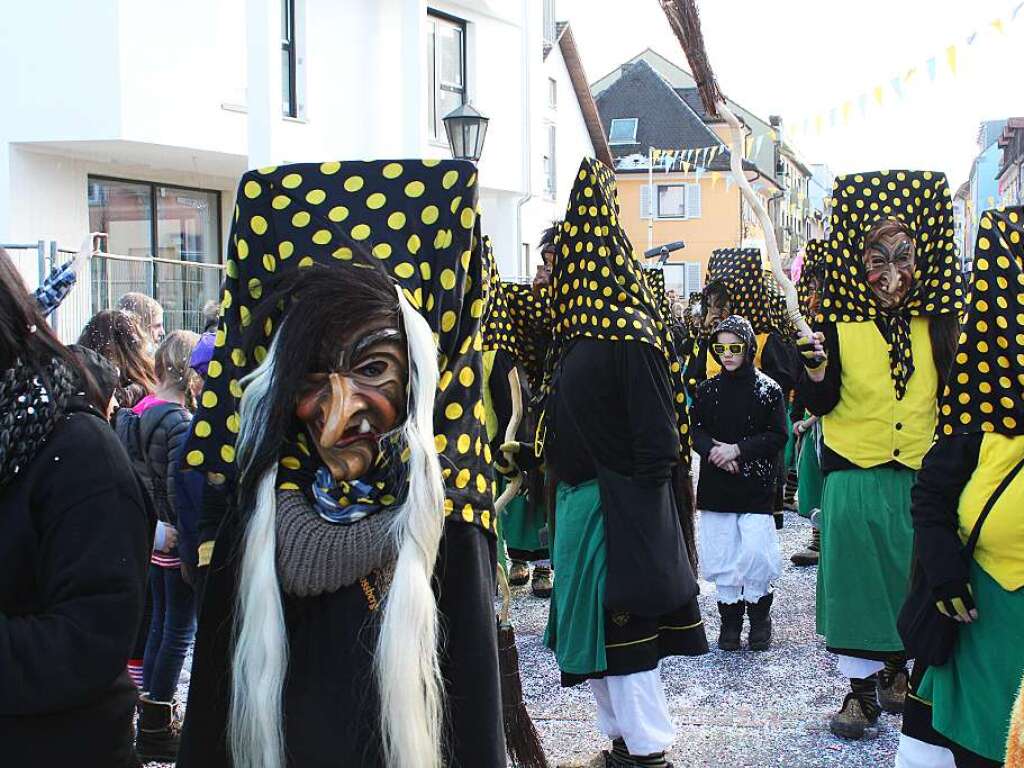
[[116, 336], [944, 332], [716, 289], [549, 235], [102, 372], [366, 293], [24, 333], [211, 315]]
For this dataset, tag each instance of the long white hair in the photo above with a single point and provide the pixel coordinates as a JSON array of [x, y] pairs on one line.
[[406, 665]]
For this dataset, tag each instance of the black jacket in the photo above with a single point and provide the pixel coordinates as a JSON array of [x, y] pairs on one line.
[[745, 408], [74, 553], [152, 440]]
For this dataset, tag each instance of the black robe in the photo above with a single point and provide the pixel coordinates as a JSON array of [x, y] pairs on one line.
[[330, 704], [611, 417]]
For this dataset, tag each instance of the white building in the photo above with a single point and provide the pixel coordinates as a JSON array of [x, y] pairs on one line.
[[138, 118]]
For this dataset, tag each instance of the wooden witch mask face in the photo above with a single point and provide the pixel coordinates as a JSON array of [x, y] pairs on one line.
[[354, 394], [889, 259]]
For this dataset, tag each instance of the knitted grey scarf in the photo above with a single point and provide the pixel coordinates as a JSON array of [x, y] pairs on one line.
[[315, 556]]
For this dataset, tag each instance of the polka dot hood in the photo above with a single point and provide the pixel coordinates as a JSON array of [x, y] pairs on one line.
[[919, 199], [598, 288], [741, 271], [985, 389], [419, 219]]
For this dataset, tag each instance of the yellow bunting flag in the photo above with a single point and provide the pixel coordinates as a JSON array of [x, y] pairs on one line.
[[951, 58], [997, 25], [879, 94]]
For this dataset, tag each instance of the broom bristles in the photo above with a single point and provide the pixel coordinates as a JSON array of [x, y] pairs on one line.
[[684, 19], [522, 742]]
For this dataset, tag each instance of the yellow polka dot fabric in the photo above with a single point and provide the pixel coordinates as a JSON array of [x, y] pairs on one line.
[[655, 277], [741, 271], [814, 254], [778, 314], [530, 313], [922, 201], [985, 388], [498, 329], [598, 289], [418, 220]]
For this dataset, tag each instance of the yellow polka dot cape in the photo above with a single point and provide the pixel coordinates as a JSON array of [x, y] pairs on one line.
[[656, 282], [598, 289], [985, 389], [530, 314], [742, 272], [814, 256], [418, 218], [498, 330], [919, 199], [778, 312]]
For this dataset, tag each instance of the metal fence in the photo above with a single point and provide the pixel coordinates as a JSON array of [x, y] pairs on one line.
[[181, 287]]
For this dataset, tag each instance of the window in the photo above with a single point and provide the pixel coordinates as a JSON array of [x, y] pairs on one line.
[[164, 241], [550, 169], [552, 92], [683, 277], [289, 87], [446, 70], [674, 201], [622, 131]]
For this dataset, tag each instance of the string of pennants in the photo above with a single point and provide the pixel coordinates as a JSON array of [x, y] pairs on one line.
[[900, 83]]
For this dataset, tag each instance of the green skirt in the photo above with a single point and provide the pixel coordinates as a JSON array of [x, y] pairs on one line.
[[809, 478], [522, 523], [973, 693], [575, 630], [789, 453], [864, 569]]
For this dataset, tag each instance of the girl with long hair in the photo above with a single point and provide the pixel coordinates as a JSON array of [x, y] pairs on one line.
[[116, 336]]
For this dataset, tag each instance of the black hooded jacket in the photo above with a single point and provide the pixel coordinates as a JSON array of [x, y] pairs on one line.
[[746, 408]]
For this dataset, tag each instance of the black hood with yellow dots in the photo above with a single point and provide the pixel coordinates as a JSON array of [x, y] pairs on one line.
[[741, 271], [985, 388], [530, 313], [656, 281], [418, 219], [812, 270], [598, 289], [498, 330], [920, 200]]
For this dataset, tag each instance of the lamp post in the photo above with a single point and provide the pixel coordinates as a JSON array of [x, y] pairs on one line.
[[466, 129]]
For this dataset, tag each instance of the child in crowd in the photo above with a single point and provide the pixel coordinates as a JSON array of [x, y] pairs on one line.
[[739, 429]]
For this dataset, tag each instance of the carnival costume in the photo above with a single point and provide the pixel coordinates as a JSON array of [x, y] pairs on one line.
[[318, 618], [878, 406], [614, 430], [964, 704]]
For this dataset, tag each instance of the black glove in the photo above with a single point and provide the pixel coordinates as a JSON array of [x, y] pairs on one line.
[[812, 359], [955, 599], [518, 455]]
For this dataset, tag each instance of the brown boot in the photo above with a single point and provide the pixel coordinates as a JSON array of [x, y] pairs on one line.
[[810, 555], [541, 583], [892, 686], [518, 573], [858, 717], [158, 733]]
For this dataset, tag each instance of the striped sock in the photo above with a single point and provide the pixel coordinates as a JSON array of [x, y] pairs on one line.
[[135, 672]]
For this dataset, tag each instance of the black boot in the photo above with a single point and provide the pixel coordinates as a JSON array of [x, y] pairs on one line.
[[760, 614], [858, 716], [158, 732], [810, 555], [732, 625]]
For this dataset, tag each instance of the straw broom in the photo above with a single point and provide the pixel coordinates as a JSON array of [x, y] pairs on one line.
[[522, 741], [684, 19]]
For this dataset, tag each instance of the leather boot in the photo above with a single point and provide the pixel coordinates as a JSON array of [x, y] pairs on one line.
[[760, 614], [732, 625], [810, 555], [858, 717], [158, 733], [518, 573], [541, 585], [892, 685]]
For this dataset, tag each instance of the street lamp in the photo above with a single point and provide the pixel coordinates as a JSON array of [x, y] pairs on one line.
[[466, 129]]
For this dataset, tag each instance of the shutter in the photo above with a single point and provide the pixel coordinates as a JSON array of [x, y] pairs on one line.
[[692, 277], [693, 201], [645, 202]]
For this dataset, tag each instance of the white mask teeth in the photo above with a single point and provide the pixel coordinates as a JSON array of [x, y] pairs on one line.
[[364, 427]]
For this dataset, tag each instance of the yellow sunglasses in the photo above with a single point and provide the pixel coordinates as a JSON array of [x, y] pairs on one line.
[[736, 348]]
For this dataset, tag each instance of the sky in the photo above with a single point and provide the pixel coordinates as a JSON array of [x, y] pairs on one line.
[[802, 59]]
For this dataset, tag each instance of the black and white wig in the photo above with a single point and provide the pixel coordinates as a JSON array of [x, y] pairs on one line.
[[326, 303]]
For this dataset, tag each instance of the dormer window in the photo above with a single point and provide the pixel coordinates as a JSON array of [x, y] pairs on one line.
[[622, 131]]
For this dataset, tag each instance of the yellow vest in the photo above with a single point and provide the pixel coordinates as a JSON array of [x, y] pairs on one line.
[[713, 367], [870, 426], [1000, 549], [491, 418]]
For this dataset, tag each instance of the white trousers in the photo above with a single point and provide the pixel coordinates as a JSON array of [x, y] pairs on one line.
[[851, 666], [740, 554], [633, 708], [914, 753]]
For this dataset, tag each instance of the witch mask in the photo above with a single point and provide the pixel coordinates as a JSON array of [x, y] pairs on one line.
[[355, 393], [889, 260]]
